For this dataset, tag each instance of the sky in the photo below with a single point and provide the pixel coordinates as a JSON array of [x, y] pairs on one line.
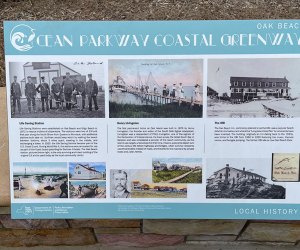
[[100, 166], [164, 71], [192, 162], [220, 71], [40, 167], [261, 166]]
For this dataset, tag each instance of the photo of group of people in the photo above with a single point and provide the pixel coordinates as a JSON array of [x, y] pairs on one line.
[[57, 90], [35, 180], [152, 88]]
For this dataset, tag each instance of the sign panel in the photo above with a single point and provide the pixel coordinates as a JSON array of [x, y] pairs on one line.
[[165, 119]]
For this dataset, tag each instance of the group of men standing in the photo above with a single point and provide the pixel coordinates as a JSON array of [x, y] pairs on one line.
[[66, 91]]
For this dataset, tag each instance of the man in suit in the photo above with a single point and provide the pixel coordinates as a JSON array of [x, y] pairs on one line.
[[119, 179], [30, 93], [91, 89], [68, 87], [44, 90], [16, 93]]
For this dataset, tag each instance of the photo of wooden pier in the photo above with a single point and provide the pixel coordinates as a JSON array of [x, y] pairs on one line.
[[155, 88]]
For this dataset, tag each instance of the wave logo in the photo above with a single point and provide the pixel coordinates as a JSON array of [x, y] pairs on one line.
[[21, 37]]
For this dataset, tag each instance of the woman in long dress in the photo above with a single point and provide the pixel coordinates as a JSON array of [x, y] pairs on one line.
[[180, 91], [197, 93]]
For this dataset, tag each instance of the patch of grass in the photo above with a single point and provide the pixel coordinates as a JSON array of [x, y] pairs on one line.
[[117, 110], [165, 175], [192, 178], [156, 194]]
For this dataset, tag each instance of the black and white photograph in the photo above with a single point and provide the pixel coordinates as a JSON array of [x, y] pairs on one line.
[[57, 89], [155, 88], [241, 179], [253, 88]]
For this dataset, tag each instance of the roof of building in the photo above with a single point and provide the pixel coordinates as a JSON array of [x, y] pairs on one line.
[[240, 170], [211, 89], [89, 168], [261, 79]]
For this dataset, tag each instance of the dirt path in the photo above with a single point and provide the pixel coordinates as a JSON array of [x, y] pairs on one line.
[[178, 177]]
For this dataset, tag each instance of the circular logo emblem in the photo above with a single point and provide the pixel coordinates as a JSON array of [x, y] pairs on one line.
[[21, 37]]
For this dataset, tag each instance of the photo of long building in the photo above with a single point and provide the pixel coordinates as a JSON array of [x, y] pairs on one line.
[[253, 88]]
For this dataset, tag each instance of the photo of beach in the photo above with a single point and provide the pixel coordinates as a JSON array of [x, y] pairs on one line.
[[150, 88], [87, 189], [40, 180]]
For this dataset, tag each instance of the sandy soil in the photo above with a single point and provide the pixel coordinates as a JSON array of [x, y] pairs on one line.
[[251, 109]]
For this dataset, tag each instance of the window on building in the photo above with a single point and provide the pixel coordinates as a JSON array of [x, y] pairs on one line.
[[251, 84], [79, 172], [283, 84], [259, 84], [237, 175], [274, 84], [244, 84], [266, 84], [221, 175], [235, 83]]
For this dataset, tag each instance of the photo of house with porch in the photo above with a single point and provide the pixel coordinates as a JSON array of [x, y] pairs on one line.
[[231, 182], [87, 171]]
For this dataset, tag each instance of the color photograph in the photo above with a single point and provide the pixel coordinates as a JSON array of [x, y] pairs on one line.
[[153, 88], [40, 180], [57, 89], [137, 183], [241, 179], [87, 189], [87, 171], [177, 170], [253, 88]]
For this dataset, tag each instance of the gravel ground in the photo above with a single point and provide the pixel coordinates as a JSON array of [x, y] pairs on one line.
[[142, 10]]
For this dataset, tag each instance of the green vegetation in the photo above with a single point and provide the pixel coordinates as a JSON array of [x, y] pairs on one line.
[[165, 175], [150, 111], [192, 178], [156, 194]]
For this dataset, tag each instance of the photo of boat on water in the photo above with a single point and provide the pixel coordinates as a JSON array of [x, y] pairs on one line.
[[253, 88], [87, 189], [152, 88], [40, 180]]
